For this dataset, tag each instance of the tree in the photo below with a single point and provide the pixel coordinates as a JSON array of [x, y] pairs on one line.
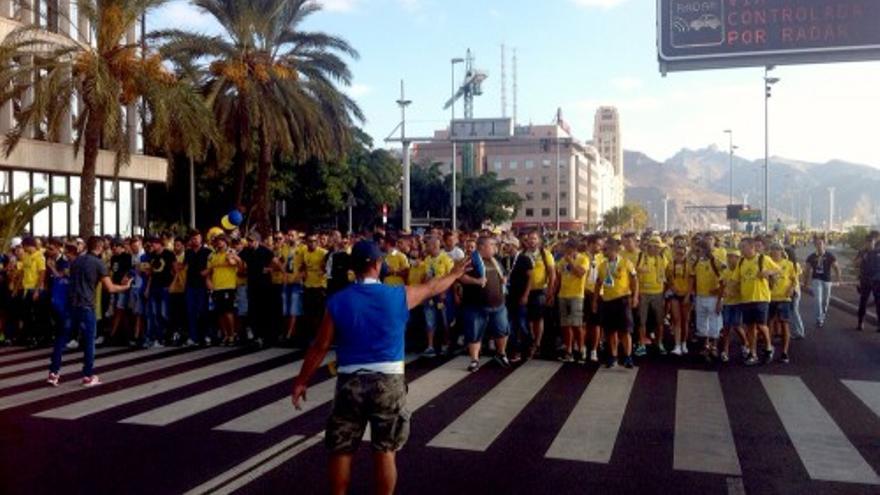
[[15, 215], [486, 198], [42, 75], [630, 216], [272, 87], [429, 193]]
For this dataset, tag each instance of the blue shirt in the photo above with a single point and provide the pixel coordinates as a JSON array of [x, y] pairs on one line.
[[370, 322]]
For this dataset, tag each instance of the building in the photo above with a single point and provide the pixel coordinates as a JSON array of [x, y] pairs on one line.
[[53, 168], [585, 186], [607, 139]]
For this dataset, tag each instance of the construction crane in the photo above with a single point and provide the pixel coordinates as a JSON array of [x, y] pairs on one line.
[[471, 86]]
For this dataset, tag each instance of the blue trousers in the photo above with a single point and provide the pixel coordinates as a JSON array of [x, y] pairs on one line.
[[81, 319], [196, 309], [157, 314]]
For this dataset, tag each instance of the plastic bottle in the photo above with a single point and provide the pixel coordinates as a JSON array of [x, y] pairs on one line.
[[477, 264]]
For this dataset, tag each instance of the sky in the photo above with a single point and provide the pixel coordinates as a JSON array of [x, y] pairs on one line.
[[577, 55]]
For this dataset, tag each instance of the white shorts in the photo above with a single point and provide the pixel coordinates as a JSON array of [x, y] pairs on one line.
[[709, 321]]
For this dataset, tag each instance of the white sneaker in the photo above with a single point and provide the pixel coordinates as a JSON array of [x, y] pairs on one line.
[[99, 340], [745, 352], [684, 348], [73, 344], [677, 351], [189, 343], [157, 345], [53, 379], [91, 381], [594, 357], [250, 334]]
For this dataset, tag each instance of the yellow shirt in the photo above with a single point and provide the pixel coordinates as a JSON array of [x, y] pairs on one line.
[[720, 254], [731, 290], [284, 253], [396, 261], [223, 273], [631, 256], [31, 266], [438, 266], [539, 272], [751, 288], [416, 273], [316, 268], [652, 274], [179, 282], [679, 276], [593, 271], [707, 281], [618, 284], [787, 278], [573, 286]]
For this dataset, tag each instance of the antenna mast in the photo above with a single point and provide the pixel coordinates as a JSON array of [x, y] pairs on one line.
[[503, 80], [515, 88]]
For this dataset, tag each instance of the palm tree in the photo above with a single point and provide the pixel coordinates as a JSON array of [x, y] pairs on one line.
[[42, 75], [272, 86], [15, 215]]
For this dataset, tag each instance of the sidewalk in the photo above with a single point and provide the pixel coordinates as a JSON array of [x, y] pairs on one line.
[[845, 296]]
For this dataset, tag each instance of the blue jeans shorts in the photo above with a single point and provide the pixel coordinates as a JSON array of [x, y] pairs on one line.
[[292, 300], [756, 313], [479, 321], [733, 316]]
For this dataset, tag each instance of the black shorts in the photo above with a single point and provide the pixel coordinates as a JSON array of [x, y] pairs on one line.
[[755, 313], [616, 315], [590, 317], [537, 305], [224, 300], [780, 310]]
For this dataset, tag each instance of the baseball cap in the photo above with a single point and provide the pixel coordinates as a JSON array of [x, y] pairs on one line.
[[363, 253], [16, 241]]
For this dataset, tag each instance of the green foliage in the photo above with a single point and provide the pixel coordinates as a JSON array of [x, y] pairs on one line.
[[487, 199], [15, 215], [855, 237], [429, 192], [630, 216]]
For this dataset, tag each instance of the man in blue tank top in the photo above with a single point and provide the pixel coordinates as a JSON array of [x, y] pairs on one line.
[[367, 321]]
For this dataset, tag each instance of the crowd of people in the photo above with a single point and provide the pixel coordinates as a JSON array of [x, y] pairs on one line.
[[600, 296]]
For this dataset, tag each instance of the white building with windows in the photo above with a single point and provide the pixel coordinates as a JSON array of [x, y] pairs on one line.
[[52, 168]]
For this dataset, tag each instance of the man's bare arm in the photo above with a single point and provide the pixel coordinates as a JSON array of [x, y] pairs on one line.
[[417, 294]]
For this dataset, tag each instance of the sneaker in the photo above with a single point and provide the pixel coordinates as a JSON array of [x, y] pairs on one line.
[[677, 351], [594, 357], [53, 379], [157, 345], [474, 366], [661, 349], [444, 349], [502, 361], [724, 357], [745, 352], [207, 341], [429, 352], [91, 381], [783, 358], [768, 355], [752, 360], [612, 363], [515, 358], [640, 350], [99, 340], [460, 341], [628, 362], [566, 358], [684, 348], [582, 357], [189, 343], [73, 344], [820, 323]]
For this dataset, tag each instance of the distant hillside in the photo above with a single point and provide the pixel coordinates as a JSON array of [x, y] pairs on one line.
[[798, 189]]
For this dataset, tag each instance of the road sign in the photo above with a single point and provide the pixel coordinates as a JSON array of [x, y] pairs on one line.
[[750, 216], [472, 130], [733, 211], [713, 34]]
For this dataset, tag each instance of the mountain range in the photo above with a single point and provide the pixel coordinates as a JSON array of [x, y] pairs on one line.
[[697, 183]]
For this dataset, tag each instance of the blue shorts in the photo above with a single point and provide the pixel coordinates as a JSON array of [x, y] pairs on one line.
[[537, 304], [241, 300], [120, 300], [433, 316], [733, 316], [780, 310], [756, 313], [137, 302], [479, 320], [292, 300]]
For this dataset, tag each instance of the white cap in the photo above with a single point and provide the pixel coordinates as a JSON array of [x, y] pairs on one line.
[[16, 241]]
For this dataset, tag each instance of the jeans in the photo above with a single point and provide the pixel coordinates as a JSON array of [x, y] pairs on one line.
[[797, 323], [484, 320], [520, 337], [822, 293], [866, 289], [157, 314], [196, 308], [81, 319]]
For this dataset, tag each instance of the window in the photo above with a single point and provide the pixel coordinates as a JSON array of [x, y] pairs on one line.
[[563, 212], [125, 208], [530, 212], [545, 180], [545, 164], [498, 165], [110, 195], [514, 165], [59, 210], [563, 195], [41, 190], [545, 212], [74, 205], [530, 164], [563, 178], [530, 196], [5, 187], [545, 196], [530, 180]]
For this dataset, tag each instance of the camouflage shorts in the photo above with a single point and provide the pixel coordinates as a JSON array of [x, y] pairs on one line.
[[377, 399]]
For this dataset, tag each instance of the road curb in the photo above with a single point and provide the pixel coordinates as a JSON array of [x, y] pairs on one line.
[[848, 306]]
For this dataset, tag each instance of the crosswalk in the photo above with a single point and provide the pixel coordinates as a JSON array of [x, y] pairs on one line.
[[704, 436]]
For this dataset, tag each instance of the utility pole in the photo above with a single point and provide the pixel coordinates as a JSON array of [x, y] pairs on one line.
[[831, 191], [666, 213], [453, 62], [192, 194], [407, 213], [768, 85], [558, 159]]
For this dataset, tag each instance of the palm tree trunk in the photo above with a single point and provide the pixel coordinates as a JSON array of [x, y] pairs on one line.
[[261, 191], [91, 146], [239, 167]]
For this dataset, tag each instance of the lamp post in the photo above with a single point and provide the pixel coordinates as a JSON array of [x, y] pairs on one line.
[[407, 164], [453, 62], [731, 149], [769, 82]]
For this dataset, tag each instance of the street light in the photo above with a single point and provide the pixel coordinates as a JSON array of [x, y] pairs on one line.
[[731, 149], [769, 82], [453, 63]]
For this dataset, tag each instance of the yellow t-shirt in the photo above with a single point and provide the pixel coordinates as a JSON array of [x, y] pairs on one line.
[[223, 273], [416, 273], [707, 282], [178, 284], [284, 254], [31, 266], [396, 261], [571, 285], [784, 281], [618, 284], [539, 271], [731, 290], [438, 266], [679, 276], [652, 274], [316, 268], [751, 288], [631, 256], [720, 254]]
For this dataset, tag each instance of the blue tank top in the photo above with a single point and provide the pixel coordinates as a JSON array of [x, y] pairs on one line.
[[370, 322]]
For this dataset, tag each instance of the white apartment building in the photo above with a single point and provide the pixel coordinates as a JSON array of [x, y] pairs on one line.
[[51, 167]]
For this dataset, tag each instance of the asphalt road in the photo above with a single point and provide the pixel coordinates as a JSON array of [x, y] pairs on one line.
[[218, 421]]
